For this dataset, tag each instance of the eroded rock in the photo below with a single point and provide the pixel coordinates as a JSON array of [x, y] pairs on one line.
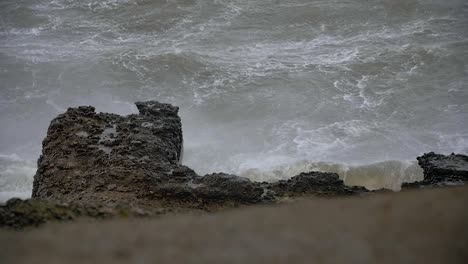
[[317, 183], [440, 170], [100, 162], [17, 213], [89, 156]]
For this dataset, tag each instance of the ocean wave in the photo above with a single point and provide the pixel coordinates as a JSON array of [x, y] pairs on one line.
[[386, 174], [16, 177], [259, 85]]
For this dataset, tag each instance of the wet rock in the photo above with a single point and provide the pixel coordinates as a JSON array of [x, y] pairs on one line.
[[101, 164], [442, 170], [17, 213], [214, 190], [221, 186], [316, 183], [91, 157], [88, 155]]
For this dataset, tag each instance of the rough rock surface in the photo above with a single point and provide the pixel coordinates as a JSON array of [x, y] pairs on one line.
[[318, 183], [130, 165], [17, 213], [423, 226], [100, 164], [442, 170], [105, 158], [89, 157]]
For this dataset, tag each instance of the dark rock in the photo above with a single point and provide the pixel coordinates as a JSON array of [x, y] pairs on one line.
[[100, 164], [105, 165], [104, 158], [213, 190], [17, 213], [317, 183], [442, 170], [87, 156], [220, 186]]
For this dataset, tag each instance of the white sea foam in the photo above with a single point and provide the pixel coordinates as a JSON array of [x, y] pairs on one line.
[[261, 87], [16, 177], [386, 174]]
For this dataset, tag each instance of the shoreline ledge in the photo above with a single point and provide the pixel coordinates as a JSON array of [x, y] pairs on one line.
[[102, 165]]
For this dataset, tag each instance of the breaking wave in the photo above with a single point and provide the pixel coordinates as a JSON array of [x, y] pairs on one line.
[[266, 90]]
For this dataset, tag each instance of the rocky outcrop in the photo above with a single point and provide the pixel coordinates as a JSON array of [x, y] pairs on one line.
[[106, 165], [101, 158], [101, 164], [316, 183], [89, 157], [17, 213], [442, 170]]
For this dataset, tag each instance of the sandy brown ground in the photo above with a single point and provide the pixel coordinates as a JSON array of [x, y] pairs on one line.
[[420, 226]]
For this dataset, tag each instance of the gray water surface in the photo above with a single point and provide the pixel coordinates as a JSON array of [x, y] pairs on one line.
[[266, 89]]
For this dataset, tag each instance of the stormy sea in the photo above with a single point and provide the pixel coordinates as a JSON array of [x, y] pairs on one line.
[[266, 89]]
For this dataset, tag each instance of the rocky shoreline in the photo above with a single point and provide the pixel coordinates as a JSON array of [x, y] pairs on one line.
[[101, 165]]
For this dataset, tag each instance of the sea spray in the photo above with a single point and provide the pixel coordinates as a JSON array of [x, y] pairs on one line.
[[261, 86]]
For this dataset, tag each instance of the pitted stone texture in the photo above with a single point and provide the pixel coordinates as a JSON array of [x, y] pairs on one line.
[[314, 183], [107, 159], [86, 152], [440, 168]]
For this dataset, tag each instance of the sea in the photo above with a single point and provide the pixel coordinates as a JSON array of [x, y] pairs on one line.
[[267, 89]]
